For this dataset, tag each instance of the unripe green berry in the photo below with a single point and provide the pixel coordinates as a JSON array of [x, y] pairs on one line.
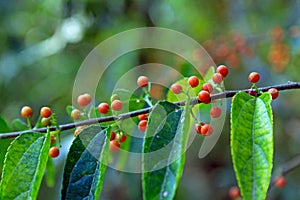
[[114, 97], [76, 114], [46, 122]]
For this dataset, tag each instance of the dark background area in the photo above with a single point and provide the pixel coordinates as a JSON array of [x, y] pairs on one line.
[[43, 43]]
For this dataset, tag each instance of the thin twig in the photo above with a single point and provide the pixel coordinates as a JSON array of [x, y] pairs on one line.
[[227, 94], [287, 167]]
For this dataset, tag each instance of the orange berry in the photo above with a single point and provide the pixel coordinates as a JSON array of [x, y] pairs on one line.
[[217, 78], [46, 112], [76, 114], [114, 146], [142, 81], [280, 181], [207, 87], [274, 93], [53, 152], [84, 100], [176, 88], [223, 70], [254, 77], [198, 126], [204, 97], [215, 112], [193, 81], [143, 117], [116, 105], [142, 125], [112, 136], [103, 108], [234, 192], [52, 139], [26, 111], [123, 138], [206, 130]]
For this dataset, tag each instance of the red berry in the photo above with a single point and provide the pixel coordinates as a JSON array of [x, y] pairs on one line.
[[103, 108], [206, 130], [116, 105], [45, 112], [234, 192], [207, 87], [176, 88], [143, 117], [280, 181], [215, 112], [274, 92], [223, 70], [53, 152], [114, 146], [254, 77], [204, 97], [142, 81], [26, 111], [193, 81], [217, 78], [142, 125], [198, 126], [76, 114], [123, 138], [112, 136], [52, 139], [84, 100]]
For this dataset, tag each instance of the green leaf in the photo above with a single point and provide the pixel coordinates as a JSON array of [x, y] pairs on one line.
[[4, 143], [84, 170], [123, 155], [19, 125], [24, 166], [164, 150], [252, 143], [50, 173], [69, 109], [210, 72], [4, 128]]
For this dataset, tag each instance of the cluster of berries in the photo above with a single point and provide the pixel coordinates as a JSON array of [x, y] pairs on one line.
[[204, 97], [116, 105], [46, 121], [85, 99], [116, 140], [143, 82], [254, 77], [143, 121]]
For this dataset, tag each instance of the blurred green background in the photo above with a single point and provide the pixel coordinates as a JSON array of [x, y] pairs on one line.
[[43, 43]]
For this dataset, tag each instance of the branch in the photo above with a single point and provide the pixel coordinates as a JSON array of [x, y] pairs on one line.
[[287, 167], [227, 94]]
